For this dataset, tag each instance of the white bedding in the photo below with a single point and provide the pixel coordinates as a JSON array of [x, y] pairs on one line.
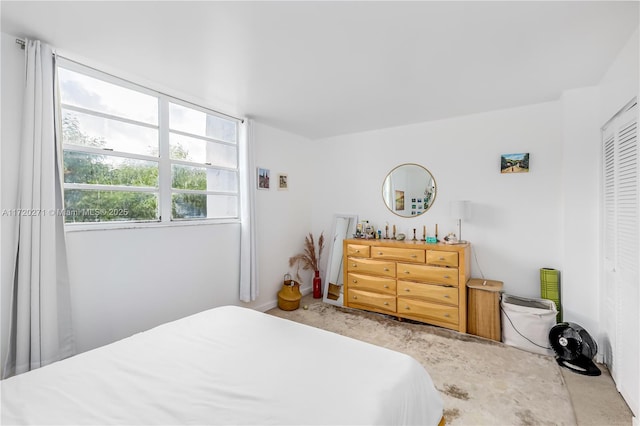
[[228, 365]]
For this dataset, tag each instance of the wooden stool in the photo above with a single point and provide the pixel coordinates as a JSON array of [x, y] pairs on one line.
[[483, 303]]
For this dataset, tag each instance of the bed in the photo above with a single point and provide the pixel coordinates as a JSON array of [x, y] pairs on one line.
[[228, 365]]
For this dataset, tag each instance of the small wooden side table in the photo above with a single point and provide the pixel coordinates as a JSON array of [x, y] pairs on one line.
[[483, 315]]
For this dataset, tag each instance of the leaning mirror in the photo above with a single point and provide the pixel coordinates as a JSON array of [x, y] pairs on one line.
[[344, 226], [409, 190]]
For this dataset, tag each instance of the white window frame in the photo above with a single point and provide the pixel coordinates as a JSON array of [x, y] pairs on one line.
[[164, 160]]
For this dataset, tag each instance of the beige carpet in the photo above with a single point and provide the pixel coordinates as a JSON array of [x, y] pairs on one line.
[[482, 382]]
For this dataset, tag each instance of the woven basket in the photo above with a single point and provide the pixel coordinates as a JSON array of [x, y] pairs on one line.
[[289, 296]]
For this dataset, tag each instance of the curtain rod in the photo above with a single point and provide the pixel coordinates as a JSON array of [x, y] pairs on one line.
[[22, 44]]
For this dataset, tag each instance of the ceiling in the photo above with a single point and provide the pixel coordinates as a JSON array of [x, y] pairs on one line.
[[320, 69]]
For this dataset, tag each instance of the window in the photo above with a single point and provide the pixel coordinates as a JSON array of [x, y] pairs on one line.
[[132, 154]]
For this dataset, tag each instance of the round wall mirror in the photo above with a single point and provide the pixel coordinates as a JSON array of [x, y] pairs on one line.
[[409, 190]]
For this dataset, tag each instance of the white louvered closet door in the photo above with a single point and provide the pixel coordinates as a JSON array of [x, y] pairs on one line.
[[621, 318]]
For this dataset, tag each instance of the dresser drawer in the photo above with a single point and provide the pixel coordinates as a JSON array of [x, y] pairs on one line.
[[366, 299], [375, 267], [394, 253], [428, 311], [431, 274], [428, 292], [357, 250], [442, 258], [368, 282]]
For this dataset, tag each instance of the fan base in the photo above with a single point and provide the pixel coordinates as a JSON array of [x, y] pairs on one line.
[[583, 366]]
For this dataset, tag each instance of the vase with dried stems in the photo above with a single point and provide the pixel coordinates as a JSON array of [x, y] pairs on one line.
[[309, 259]]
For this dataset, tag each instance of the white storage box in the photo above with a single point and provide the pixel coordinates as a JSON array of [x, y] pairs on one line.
[[526, 323]]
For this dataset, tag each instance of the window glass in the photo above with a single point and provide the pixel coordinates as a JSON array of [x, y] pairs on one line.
[[109, 206], [222, 180], [204, 152], [90, 93], [188, 177], [99, 132], [200, 206], [199, 123], [97, 169]]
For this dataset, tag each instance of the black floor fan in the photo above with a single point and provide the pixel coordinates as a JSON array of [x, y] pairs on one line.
[[574, 348]]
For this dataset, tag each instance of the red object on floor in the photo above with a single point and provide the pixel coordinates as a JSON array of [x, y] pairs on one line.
[[317, 286]]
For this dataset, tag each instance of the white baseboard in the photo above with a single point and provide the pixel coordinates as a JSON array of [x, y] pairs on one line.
[[266, 306]]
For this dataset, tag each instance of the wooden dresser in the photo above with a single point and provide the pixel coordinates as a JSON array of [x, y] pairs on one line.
[[408, 279]]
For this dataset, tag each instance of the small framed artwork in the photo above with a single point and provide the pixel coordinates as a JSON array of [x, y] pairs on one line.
[[283, 182], [399, 200], [263, 177], [514, 163]]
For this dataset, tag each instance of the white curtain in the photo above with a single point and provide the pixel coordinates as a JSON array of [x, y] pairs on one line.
[[40, 318], [248, 259]]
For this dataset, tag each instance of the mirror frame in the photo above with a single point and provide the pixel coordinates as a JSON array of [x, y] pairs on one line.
[[435, 192], [332, 251]]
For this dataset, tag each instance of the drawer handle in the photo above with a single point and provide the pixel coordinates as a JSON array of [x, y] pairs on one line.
[[355, 265], [386, 303], [414, 256], [386, 269], [407, 308], [386, 286], [358, 251], [446, 296], [446, 276], [380, 253], [406, 289], [355, 281], [442, 258], [407, 272], [355, 297], [447, 315]]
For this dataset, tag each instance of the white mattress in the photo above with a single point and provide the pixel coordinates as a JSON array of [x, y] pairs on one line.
[[228, 365]]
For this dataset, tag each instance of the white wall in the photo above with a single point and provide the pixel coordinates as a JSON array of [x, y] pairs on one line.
[[128, 280], [621, 81], [580, 188], [515, 220]]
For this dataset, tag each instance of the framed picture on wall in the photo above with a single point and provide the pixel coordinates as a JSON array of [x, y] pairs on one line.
[[514, 163], [399, 200], [283, 182], [263, 177]]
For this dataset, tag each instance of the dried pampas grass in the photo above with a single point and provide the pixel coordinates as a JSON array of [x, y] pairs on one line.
[[308, 259]]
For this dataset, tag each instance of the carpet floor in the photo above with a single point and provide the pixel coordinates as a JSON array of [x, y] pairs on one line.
[[482, 382]]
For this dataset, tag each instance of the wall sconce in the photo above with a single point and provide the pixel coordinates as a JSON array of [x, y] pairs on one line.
[[459, 211]]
